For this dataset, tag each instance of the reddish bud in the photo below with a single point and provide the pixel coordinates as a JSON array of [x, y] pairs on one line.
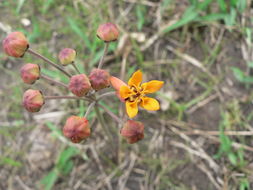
[[108, 32], [67, 56], [30, 73], [79, 85], [99, 79], [76, 129], [15, 44], [33, 100], [133, 131]]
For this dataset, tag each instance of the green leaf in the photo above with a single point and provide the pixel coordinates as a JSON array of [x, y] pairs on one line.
[[20, 5], [65, 156], [241, 5], [189, 16], [140, 13], [232, 158], [49, 180], [9, 161], [240, 76], [231, 17], [222, 5], [213, 17], [47, 5], [68, 167], [80, 32]]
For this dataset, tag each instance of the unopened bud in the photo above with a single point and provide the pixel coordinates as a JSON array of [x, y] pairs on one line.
[[33, 100], [133, 131], [15, 44], [67, 56], [99, 79], [79, 85], [76, 129], [108, 32], [30, 73]]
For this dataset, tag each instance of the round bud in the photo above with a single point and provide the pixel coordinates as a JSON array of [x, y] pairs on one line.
[[30, 73], [15, 44], [99, 79], [133, 131], [79, 85], [76, 129], [33, 100], [67, 56], [108, 32]]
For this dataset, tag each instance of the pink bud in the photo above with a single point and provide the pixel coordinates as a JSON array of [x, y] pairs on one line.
[[99, 79], [79, 85], [15, 44], [108, 32], [67, 56], [30, 73], [33, 100], [76, 129], [133, 131]]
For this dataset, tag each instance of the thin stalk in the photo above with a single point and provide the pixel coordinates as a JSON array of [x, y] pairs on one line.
[[89, 109], [105, 95], [53, 81], [76, 68], [102, 122], [48, 61], [103, 56], [65, 97], [113, 116]]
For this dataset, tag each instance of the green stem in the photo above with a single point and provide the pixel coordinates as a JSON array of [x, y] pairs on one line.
[[89, 109], [103, 56], [34, 53], [102, 122], [65, 97], [76, 68], [113, 116], [53, 81]]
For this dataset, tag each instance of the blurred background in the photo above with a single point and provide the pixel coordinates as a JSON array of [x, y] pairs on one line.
[[201, 139]]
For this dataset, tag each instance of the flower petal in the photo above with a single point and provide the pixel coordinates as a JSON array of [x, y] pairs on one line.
[[131, 108], [124, 92], [152, 86], [150, 104], [116, 83], [136, 79]]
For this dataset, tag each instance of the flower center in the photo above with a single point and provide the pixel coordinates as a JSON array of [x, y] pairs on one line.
[[137, 93]]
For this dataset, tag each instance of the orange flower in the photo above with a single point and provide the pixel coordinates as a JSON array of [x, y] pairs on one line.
[[134, 94]]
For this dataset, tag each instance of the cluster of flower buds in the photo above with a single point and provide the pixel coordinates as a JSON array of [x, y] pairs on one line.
[[82, 86]]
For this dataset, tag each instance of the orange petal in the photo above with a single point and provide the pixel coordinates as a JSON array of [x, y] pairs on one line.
[[124, 92], [150, 104], [136, 79], [152, 86], [116, 83], [131, 108]]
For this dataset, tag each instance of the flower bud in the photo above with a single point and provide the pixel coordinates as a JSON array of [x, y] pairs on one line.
[[67, 56], [79, 85], [30, 73], [15, 44], [116, 83], [33, 100], [108, 32], [99, 79], [133, 131], [76, 129]]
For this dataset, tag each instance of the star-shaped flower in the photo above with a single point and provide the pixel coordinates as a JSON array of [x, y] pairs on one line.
[[135, 93]]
